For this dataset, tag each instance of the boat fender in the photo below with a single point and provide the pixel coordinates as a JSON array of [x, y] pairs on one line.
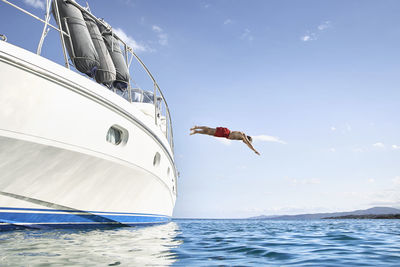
[[79, 45], [106, 73], [122, 79]]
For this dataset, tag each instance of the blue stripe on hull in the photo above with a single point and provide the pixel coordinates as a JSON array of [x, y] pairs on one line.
[[10, 227], [70, 210], [73, 219]]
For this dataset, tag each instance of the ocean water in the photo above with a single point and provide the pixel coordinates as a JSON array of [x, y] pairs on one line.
[[210, 243]]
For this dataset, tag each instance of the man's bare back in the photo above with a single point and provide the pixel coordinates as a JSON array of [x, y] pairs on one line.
[[226, 133]]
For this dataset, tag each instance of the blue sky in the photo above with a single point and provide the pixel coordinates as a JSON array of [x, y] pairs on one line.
[[316, 82]]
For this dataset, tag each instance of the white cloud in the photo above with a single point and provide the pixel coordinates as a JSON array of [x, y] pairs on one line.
[[285, 210], [156, 28], [163, 39], [395, 147], [305, 181], [388, 197], [342, 128], [36, 3], [267, 138], [130, 41], [162, 36], [313, 34], [396, 180], [325, 25], [246, 35], [379, 145], [227, 21], [332, 149], [308, 37]]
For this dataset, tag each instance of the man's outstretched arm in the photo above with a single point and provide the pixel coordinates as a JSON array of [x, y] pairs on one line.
[[247, 142]]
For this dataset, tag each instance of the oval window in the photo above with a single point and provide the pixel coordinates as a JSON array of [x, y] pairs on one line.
[[157, 159], [114, 136]]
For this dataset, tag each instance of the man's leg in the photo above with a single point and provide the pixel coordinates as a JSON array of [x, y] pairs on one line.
[[196, 132], [199, 128], [202, 130]]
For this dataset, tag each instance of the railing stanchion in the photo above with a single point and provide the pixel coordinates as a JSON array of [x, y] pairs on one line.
[[155, 103], [130, 92], [127, 65], [45, 28], [66, 33], [70, 40], [61, 33]]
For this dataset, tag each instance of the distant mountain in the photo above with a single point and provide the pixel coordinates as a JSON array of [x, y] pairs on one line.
[[316, 216], [367, 216]]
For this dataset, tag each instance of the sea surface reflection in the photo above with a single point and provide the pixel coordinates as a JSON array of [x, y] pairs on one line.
[[211, 243], [132, 246]]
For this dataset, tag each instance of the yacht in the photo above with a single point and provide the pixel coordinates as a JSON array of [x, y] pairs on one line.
[[80, 145]]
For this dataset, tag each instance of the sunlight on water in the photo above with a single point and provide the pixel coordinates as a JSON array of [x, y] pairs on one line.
[[122, 246]]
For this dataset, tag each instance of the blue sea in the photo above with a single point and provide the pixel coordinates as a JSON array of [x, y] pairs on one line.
[[210, 243]]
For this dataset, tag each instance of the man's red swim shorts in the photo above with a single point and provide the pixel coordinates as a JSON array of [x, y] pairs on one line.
[[222, 132]]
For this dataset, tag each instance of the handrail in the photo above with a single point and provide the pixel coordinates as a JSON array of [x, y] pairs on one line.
[[169, 131], [46, 24], [62, 35], [159, 90], [30, 14], [45, 28], [129, 49]]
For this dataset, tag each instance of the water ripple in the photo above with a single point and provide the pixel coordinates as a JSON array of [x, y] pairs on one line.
[[210, 243]]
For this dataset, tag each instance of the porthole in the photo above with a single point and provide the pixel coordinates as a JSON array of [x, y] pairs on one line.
[[117, 135], [157, 159]]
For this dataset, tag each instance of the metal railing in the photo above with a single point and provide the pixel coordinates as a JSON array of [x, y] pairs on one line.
[[157, 93]]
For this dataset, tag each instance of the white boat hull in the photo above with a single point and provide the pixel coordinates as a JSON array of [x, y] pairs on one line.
[[56, 167]]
